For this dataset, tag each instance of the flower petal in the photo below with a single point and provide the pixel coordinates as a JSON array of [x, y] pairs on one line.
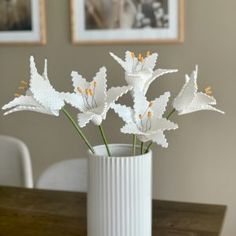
[[22, 100], [45, 71], [121, 62], [97, 119], [140, 104], [160, 139], [139, 79], [27, 103], [130, 128], [99, 110], [95, 115], [79, 81], [33, 69], [150, 61], [157, 73], [114, 93], [42, 90], [85, 118], [124, 112], [187, 94], [100, 91], [194, 109], [162, 124], [75, 100], [129, 61], [32, 108], [159, 105], [204, 99]]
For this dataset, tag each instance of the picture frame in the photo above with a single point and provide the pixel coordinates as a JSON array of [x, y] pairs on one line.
[[161, 22], [22, 22]]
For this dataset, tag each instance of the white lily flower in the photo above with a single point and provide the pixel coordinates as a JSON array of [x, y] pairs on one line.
[[146, 120], [40, 96], [139, 71], [190, 100], [92, 99]]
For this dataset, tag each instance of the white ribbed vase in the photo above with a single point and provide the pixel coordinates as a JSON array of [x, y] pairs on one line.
[[119, 192]]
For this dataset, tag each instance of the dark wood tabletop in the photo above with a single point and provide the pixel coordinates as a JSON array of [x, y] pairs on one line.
[[26, 212]]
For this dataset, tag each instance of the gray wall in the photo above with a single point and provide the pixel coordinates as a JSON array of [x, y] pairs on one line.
[[199, 165]]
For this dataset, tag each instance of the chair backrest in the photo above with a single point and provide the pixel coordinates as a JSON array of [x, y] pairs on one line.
[[15, 163], [68, 175]]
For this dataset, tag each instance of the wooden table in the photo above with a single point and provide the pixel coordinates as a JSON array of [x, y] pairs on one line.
[[25, 212]]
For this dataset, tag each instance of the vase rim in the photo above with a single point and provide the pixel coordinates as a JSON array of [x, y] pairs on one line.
[[100, 151]]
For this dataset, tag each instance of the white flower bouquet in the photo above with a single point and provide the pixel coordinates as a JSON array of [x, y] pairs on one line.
[[93, 100], [119, 177]]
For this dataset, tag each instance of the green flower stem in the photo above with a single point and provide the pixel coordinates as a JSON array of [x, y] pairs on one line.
[[148, 147], [142, 146], [168, 117], [134, 144], [170, 114], [78, 129], [104, 139]]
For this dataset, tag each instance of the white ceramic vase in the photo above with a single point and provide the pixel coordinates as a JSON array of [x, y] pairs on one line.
[[119, 192]]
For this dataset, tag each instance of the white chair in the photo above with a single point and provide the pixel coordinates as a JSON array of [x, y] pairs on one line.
[[15, 163], [69, 175]]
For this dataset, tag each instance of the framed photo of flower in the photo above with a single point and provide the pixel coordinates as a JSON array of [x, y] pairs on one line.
[[127, 21], [22, 22]]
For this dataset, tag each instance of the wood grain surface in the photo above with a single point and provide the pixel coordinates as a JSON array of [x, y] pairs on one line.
[[26, 212]]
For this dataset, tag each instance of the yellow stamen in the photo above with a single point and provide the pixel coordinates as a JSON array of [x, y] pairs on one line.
[[90, 91], [22, 87], [87, 92], [148, 54], [79, 90], [23, 82], [140, 117], [149, 115], [150, 104], [17, 95], [142, 59], [132, 55], [94, 83], [140, 56], [208, 90]]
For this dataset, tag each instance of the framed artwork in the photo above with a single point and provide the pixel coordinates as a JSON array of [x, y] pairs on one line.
[[22, 22], [127, 21]]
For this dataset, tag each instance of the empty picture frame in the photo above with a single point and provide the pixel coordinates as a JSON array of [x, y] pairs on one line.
[[127, 21], [22, 22]]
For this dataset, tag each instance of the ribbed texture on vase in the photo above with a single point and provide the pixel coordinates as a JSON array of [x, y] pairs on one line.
[[119, 196]]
